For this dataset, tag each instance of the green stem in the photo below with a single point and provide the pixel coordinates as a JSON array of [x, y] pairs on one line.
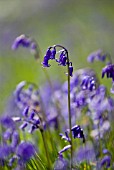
[[46, 150], [47, 125], [69, 112]]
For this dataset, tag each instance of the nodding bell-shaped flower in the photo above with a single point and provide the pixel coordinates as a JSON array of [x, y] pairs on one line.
[[109, 71], [53, 53], [62, 59], [45, 62], [70, 69], [78, 132], [88, 83], [22, 40]]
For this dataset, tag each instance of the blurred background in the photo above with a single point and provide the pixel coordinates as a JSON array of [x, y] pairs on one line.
[[82, 26]]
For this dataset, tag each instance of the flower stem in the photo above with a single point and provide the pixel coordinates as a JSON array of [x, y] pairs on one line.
[[69, 112], [46, 151]]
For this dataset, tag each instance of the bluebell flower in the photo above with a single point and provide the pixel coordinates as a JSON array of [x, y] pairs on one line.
[[18, 90], [109, 71], [66, 136], [22, 40], [53, 53], [30, 119], [45, 62], [106, 161], [25, 111], [26, 42], [62, 59], [97, 55], [48, 53], [64, 149], [88, 83], [71, 70], [7, 122], [24, 125], [25, 151], [27, 95], [15, 139], [78, 132]]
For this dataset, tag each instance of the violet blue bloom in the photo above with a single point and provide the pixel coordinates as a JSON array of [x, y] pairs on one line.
[[23, 41], [62, 59], [53, 53], [25, 151], [78, 132], [45, 62], [66, 136], [26, 94], [97, 55], [7, 122], [27, 42], [106, 161], [31, 119], [48, 53], [24, 125], [109, 71], [15, 139], [64, 149], [88, 83], [71, 70], [25, 111]]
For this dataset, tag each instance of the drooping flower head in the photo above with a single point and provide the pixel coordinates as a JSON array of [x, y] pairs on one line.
[[63, 59], [98, 55], [108, 70], [27, 42], [106, 161], [78, 132], [27, 94]]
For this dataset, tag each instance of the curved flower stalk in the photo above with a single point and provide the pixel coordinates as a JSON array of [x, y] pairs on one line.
[[63, 61], [28, 99]]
